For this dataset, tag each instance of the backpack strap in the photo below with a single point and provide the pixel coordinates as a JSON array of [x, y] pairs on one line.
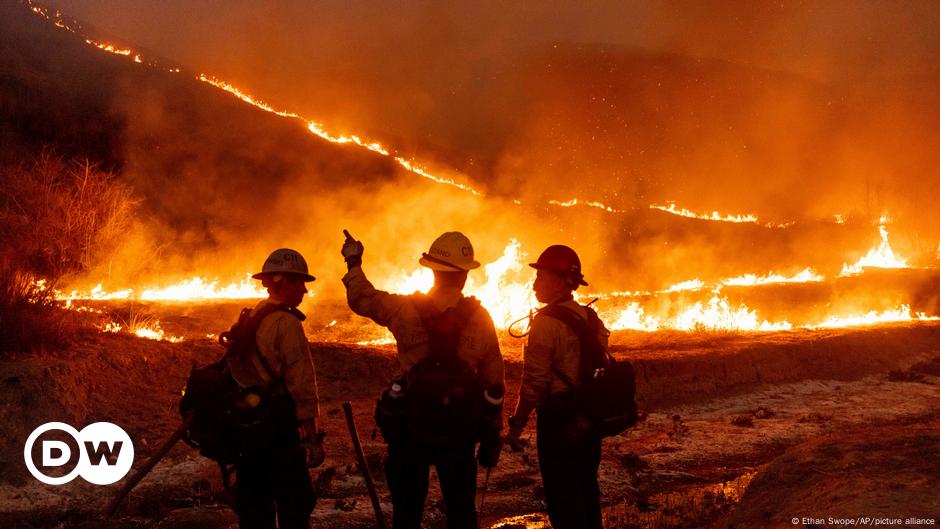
[[426, 310], [586, 330], [247, 328], [445, 327]]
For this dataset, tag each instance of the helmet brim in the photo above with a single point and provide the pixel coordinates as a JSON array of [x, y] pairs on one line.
[[306, 277], [537, 266], [447, 267]]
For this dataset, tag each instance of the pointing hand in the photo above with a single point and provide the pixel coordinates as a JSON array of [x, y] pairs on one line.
[[352, 250]]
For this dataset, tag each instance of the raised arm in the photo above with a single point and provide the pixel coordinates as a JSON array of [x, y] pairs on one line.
[[363, 298]]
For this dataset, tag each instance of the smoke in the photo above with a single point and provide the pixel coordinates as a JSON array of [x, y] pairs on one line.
[[793, 113]]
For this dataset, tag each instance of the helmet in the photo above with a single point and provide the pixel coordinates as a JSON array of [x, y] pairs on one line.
[[562, 259], [451, 252], [285, 261]]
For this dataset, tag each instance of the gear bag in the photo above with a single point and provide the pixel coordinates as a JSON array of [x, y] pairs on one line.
[[443, 396], [605, 394], [228, 419]]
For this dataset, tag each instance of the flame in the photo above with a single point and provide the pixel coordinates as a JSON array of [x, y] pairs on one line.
[[633, 317], [716, 314], [898, 314], [318, 129], [671, 208], [506, 291], [199, 288], [388, 339], [719, 315], [881, 257], [111, 48], [55, 17], [218, 83], [410, 165], [194, 289], [420, 171], [149, 329], [617, 294], [690, 285], [502, 296], [576, 202], [807, 275]]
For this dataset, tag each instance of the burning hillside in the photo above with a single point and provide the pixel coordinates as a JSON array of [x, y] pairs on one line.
[[721, 297], [756, 229]]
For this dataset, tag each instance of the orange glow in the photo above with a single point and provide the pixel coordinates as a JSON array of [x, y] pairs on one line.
[[420, 171], [880, 257], [506, 293], [318, 129], [634, 317], [807, 275], [682, 212], [194, 289], [111, 49], [388, 339], [900, 314], [716, 314], [575, 202], [145, 329], [218, 83], [684, 286], [505, 287]]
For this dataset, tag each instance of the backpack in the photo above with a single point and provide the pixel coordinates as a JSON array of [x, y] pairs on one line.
[[227, 420], [606, 390], [443, 396]]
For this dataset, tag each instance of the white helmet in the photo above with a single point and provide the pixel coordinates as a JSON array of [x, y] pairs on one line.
[[451, 252], [285, 261]]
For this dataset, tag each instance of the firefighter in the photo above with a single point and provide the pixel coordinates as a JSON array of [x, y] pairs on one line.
[[569, 451], [272, 481], [433, 331]]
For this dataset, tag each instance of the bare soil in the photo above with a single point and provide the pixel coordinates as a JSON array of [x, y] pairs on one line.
[[727, 414]]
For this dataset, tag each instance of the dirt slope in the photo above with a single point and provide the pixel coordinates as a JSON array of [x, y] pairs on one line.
[[710, 443], [889, 473]]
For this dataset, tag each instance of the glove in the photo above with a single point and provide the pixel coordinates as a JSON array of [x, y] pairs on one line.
[[352, 250], [315, 452], [488, 453]]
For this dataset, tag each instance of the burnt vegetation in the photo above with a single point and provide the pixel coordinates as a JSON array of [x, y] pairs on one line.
[[56, 217]]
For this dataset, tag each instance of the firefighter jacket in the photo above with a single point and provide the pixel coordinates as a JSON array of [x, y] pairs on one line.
[[478, 346], [280, 338], [552, 345]]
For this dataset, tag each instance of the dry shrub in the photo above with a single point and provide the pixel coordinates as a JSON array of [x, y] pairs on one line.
[[30, 318], [56, 218]]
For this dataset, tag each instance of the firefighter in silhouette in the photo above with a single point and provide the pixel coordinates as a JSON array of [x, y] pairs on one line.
[[569, 451], [450, 391], [272, 480]]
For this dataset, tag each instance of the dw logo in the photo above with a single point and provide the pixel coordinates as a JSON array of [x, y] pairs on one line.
[[105, 453]]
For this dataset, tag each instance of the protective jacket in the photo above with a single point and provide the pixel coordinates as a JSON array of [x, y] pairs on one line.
[[568, 461], [282, 342], [478, 346], [552, 345]]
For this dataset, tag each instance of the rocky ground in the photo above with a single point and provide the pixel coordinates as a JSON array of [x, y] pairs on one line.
[[742, 431]]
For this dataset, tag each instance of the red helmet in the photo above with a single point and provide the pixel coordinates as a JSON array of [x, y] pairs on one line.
[[562, 259]]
